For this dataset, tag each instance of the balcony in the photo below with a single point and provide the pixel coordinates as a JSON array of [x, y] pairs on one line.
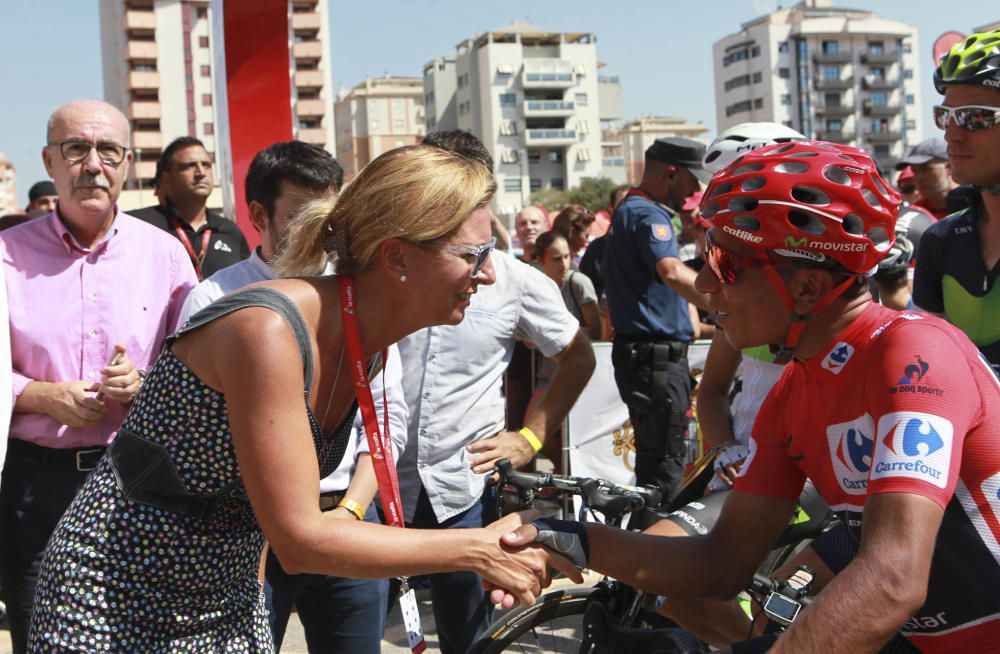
[[613, 162], [314, 135], [310, 107], [143, 50], [144, 169], [833, 57], [140, 79], [882, 110], [308, 79], [879, 57], [306, 22], [307, 50], [547, 74], [144, 110], [840, 84], [885, 136], [875, 83], [548, 108], [550, 137], [139, 20], [147, 140], [838, 110], [834, 136]]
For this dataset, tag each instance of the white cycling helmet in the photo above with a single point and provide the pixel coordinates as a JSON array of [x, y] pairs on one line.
[[740, 139]]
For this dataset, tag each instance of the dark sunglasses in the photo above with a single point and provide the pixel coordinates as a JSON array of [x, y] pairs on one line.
[[971, 118]]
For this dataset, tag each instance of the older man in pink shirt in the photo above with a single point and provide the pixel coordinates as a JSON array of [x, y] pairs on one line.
[[92, 294]]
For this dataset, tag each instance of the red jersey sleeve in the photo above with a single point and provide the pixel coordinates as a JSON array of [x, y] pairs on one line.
[[923, 395], [768, 470]]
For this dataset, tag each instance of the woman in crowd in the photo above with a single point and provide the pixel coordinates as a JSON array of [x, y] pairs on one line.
[[244, 411], [574, 223]]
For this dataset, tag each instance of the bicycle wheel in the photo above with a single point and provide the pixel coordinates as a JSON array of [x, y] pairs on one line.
[[553, 624]]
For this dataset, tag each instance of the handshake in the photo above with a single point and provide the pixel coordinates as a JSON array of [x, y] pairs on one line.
[[528, 550]]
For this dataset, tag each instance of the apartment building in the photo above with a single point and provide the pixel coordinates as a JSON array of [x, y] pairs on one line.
[[8, 187], [379, 114], [535, 100], [843, 75], [625, 145], [158, 64]]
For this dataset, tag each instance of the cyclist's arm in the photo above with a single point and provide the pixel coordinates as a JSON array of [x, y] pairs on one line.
[[717, 565], [883, 586], [714, 418]]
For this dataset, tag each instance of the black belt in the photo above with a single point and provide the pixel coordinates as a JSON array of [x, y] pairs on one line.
[[678, 349], [329, 501], [82, 459]]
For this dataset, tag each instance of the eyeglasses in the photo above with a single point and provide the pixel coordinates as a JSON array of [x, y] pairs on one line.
[[971, 118], [74, 151], [726, 264], [479, 253]]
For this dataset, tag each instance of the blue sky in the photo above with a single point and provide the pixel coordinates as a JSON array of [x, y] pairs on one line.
[[661, 49]]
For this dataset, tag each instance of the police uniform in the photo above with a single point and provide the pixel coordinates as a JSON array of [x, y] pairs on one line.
[[652, 325]]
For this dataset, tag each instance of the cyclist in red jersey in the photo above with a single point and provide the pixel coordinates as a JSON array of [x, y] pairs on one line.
[[893, 415]]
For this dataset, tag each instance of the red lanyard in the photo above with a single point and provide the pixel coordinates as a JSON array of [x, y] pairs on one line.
[[379, 443], [196, 259]]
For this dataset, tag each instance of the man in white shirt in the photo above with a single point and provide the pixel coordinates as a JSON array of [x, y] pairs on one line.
[[338, 614]]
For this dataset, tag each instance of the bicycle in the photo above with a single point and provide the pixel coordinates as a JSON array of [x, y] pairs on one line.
[[559, 621]]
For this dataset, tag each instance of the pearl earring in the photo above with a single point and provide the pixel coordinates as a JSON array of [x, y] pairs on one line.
[[402, 278]]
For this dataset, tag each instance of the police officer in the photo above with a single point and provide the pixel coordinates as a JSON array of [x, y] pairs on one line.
[[648, 289]]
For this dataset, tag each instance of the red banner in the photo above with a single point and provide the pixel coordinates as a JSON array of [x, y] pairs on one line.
[[258, 106]]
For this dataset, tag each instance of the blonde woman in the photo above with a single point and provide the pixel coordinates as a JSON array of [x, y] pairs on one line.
[[248, 407]]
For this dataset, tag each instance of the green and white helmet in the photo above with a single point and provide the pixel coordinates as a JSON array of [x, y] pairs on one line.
[[974, 61]]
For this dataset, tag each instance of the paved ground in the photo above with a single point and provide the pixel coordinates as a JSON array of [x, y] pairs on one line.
[[393, 643]]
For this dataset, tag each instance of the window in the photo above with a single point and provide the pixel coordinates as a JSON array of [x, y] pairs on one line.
[[910, 99], [757, 77], [876, 47], [202, 41], [830, 47], [881, 150], [512, 184], [908, 73], [880, 125], [834, 125], [555, 156], [786, 99], [535, 184], [208, 129], [581, 99], [911, 124], [738, 107], [206, 99], [755, 51], [398, 124], [429, 97], [784, 73], [206, 71], [144, 68], [831, 99], [738, 81], [202, 12], [878, 72], [879, 99], [463, 80], [508, 99], [534, 156], [783, 47], [830, 73], [558, 184], [907, 48], [758, 103]]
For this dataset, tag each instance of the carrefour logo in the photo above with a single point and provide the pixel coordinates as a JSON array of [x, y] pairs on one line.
[[914, 445], [851, 445]]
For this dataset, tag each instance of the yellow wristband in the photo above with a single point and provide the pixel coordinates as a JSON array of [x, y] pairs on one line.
[[353, 507], [529, 436]]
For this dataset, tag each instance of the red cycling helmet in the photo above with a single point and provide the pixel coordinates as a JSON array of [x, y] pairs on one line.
[[811, 200]]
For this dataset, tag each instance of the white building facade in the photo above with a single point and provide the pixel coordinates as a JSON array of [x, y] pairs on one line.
[[842, 75], [533, 98]]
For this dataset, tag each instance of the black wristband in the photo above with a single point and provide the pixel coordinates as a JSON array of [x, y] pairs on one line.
[[566, 537]]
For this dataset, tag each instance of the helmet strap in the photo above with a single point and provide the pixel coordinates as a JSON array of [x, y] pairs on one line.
[[799, 320]]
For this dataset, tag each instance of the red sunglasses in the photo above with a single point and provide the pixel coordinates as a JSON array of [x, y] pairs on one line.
[[725, 264]]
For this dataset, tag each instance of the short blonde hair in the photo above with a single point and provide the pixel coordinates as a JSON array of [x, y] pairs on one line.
[[418, 193]]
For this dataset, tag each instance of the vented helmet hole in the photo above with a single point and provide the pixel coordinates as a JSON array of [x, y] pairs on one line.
[[748, 168], [853, 224], [792, 167], [742, 203], [806, 222], [712, 156], [810, 195], [725, 187], [782, 149], [827, 146], [848, 157], [804, 154], [878, 235], [753, 184], [881, 188], [710, 209], [837, 175], [871, 198], [749, 223]]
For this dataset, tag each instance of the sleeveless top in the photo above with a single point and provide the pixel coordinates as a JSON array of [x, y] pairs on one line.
[[160, 550]]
